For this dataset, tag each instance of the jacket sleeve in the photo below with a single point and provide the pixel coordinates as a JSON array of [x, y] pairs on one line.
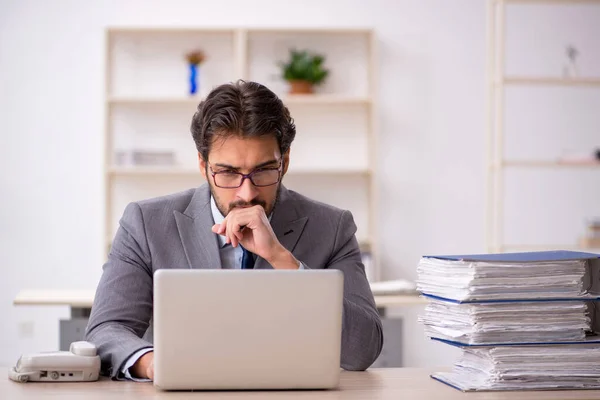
[[362, 334], [122, 307]]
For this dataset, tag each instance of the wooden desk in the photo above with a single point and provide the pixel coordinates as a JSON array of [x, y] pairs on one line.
[[391, 383]]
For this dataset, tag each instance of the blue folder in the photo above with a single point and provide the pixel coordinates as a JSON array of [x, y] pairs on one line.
[[533, 256], [592, 339]]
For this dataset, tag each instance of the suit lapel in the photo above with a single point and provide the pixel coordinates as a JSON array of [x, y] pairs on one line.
[[194, 225], [287, 225]]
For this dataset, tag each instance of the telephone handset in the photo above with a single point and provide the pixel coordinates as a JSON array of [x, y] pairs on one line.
[[79, 364]]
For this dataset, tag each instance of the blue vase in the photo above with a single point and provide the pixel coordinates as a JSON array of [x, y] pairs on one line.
[[193, 79]]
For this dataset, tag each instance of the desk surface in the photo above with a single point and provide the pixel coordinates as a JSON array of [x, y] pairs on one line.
[[85, 298], [392, 383]]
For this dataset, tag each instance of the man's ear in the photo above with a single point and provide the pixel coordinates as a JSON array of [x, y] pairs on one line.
[[286, 161], [202, 165]]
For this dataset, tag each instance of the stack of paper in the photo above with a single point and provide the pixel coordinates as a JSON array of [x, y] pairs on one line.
[[476, 280], [526, 367], [522, 320], [507, 322]]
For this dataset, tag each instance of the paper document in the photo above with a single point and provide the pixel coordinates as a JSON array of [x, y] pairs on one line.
[[522, 320], [468, 280], [526, 367], [505, 323]]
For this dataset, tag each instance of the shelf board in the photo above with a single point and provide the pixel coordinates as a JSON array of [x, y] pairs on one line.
[[328, 171], [321, 99], [153, 171], [115, 30], [550, 81], [158, 100], [232, 30], [186, 171], [304, 30], [552, 164], [549, 2], [325, 99]]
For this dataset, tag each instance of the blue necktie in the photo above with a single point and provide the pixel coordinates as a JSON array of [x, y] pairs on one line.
[[247, 259]]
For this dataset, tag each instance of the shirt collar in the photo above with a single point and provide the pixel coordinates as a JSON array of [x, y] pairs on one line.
[[218, 218]]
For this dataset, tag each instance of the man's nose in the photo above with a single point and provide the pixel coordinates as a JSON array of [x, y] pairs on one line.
[[247, 191]]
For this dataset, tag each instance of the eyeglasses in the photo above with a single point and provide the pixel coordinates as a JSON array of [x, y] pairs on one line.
[[259, 177]]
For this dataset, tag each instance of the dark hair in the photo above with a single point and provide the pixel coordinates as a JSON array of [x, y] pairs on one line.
[[246, 109]]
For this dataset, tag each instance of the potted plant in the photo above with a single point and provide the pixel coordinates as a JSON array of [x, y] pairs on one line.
[[303, 71]]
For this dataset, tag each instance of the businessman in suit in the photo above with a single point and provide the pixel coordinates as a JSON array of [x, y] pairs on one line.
[[242, 218]]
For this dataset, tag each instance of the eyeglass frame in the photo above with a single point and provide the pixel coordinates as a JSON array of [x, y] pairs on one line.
[[247, 176]]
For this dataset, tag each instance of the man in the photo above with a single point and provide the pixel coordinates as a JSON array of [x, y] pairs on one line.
[[243, 218]]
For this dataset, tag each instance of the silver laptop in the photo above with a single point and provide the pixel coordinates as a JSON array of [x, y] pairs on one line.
[[238, 329]]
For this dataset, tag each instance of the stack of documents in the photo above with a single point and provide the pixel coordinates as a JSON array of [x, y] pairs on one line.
[[506, 322], [477, 280], [522, 320], [525, 367]]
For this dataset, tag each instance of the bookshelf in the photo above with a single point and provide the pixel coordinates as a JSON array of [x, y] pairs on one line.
[[148, 109], [501, 167]]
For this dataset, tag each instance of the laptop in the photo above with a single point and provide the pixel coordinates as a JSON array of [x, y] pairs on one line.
[[247, 329]]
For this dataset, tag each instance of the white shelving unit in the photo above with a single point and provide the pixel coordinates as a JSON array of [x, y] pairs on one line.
[[148, 108], [498, 81]]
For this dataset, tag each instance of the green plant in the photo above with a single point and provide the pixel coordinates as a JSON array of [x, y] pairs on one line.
[[304, 66]]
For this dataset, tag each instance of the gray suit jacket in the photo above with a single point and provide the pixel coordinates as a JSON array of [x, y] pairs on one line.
[[175, 232]]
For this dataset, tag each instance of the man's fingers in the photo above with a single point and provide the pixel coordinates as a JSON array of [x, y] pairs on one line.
[[239, 234], [150, 370], [236, 221], [230, 231], [236, 224], [236, 234]]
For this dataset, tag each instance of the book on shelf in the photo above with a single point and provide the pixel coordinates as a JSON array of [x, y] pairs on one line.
[[524, 321]]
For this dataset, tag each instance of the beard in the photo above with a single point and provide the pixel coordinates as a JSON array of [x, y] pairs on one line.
[[226, 208]]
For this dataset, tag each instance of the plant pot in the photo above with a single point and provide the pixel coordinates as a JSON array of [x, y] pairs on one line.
[[300, 87]]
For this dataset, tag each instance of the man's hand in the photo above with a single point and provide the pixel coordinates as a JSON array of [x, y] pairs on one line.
[[250, 227], [144, 367]]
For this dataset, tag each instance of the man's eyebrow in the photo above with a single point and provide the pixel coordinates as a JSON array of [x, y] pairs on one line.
[[227, 166], [265, 164], [261, 165]]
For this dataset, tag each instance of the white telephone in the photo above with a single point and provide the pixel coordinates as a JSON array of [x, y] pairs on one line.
[[79, 364]]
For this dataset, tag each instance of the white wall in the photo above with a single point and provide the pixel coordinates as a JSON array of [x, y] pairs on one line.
[[432, 142]]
